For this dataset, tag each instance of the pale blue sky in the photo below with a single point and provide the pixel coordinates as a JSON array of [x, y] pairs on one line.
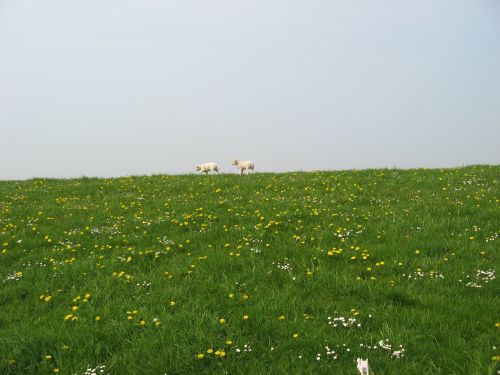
[[110, 88]]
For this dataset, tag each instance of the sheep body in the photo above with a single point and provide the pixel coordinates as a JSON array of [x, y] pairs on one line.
[[243, 165], [207, 167]]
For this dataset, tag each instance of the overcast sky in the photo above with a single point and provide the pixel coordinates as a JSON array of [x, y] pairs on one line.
[[111, 88]]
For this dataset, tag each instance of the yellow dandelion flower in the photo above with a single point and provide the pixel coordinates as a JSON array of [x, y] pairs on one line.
[[220, 353], [222, 321]]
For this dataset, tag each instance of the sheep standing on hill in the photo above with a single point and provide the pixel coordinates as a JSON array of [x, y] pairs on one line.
[[244, 165], [207, 167]]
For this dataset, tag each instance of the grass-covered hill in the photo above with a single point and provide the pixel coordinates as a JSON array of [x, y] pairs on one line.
[[295, 273]]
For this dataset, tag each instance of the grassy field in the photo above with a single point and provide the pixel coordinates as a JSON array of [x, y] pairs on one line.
[[295, 273]]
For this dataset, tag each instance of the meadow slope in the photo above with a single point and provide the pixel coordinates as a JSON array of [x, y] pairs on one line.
[[294, 273]]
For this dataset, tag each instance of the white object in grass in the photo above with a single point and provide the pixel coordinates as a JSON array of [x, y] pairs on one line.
[[363, 366]]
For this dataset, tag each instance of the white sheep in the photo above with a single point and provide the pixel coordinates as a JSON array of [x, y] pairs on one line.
[[244, 165], [207, 167]]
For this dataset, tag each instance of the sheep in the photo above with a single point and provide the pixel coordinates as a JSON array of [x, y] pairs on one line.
[[244, 165], [207, 167]]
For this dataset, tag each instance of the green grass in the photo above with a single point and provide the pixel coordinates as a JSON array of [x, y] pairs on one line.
[[292, 243]]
